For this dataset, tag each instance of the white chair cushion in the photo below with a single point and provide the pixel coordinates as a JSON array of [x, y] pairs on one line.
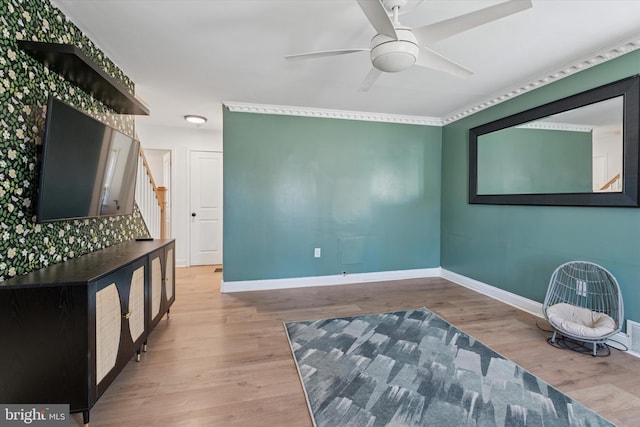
[[580, 322]]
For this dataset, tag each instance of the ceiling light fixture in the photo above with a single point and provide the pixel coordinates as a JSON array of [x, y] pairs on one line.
[[196, 120]]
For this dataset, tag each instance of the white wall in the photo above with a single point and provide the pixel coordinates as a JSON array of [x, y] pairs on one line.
[[180, 140], [607, 144], [155, 158]]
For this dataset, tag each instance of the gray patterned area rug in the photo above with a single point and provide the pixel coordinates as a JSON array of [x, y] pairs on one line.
[[413, 368]]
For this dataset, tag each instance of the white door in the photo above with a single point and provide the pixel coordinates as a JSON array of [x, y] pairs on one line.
[[206, 208]]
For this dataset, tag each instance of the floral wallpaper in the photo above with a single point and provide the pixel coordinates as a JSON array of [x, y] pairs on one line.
[[25, 85]]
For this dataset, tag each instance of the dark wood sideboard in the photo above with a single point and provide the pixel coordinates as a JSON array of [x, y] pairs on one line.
[[67, 330]]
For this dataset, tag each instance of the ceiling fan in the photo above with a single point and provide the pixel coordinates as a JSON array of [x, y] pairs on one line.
[[396, 47]]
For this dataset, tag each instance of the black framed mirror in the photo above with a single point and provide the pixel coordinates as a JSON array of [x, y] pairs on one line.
[[578, 151]]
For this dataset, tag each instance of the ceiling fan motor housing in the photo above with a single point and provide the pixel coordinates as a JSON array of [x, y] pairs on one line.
[[391, 55]]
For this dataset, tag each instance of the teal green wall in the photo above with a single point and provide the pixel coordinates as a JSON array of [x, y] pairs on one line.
[[516, 248], [366, 193], [530, 161]]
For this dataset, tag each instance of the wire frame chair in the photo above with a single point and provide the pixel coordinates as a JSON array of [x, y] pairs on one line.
[[584, 302]]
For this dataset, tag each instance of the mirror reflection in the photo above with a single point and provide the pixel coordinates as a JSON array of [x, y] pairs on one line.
[[582, 150], [574, 151]]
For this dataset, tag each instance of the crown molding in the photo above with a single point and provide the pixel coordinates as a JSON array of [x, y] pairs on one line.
[[599, 58], [593, 60], [569, 127], [331, 114]]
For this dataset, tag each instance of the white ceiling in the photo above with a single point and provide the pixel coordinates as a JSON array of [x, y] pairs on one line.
[[189, 56]]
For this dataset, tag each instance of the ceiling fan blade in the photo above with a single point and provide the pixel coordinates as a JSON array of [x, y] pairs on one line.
[[430, 59], [320, 54], [370, 79], [378, 16], [449, 27]]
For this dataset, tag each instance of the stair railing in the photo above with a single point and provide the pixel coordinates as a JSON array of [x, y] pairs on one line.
[[610, 183], [151, 199]]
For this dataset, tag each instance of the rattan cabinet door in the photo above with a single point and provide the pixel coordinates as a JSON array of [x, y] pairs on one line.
[[169, 273], [136, 304], [162, 287], [156, 284], [124, 327], [108, 327]]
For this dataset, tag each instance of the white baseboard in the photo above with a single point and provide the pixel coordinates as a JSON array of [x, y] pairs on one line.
[[338, 279], [619, 340], [506, 297], [517, 301]]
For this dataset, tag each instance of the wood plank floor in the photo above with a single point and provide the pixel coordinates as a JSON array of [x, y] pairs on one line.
[[224, 360]]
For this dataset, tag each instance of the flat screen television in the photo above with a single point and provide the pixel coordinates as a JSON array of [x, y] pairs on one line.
[[88, 169]]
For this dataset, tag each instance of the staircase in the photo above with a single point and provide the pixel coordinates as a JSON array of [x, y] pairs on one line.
[[614, 184], [151, 200]]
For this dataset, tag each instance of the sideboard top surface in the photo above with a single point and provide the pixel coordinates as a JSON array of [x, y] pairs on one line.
[[87, 268]]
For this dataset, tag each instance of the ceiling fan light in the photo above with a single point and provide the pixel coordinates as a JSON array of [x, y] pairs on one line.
[[391, 55], [196, 120], [393, 62]]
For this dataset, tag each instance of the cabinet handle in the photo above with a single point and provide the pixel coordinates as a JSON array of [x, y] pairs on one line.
[[127, 315]]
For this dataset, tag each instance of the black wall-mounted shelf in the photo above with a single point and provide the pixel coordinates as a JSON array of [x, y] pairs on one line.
[[75, 66]]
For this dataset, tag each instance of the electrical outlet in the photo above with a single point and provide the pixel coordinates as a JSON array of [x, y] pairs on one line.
[[581, 288], [317, 252]]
